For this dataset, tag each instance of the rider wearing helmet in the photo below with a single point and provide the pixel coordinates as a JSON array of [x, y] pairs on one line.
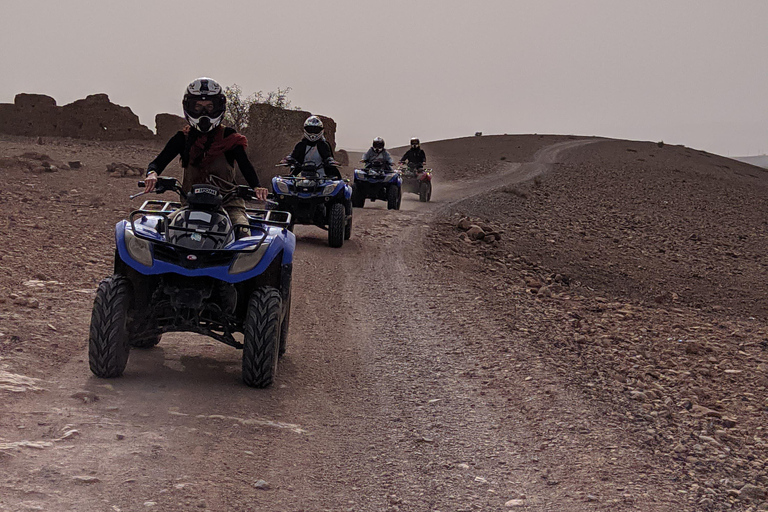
[[208, 150], [377, 153], [314, 148], [415, 156]]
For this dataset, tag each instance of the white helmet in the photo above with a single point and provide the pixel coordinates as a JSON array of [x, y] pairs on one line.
[[313, 128], [204, 104], [378, 144]]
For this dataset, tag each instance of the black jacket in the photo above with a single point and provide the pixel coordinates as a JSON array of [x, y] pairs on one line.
[[415, 156]]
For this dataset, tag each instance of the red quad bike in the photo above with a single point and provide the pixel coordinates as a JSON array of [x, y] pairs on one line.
[[417, 180]]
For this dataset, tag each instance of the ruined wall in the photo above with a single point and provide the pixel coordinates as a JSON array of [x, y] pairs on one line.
[[273, 132], [94, 117], [166, 125]]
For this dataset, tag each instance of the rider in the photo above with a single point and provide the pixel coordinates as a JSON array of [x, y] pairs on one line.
[[377, 153], [208, 149], [314, 148], [415, 156]]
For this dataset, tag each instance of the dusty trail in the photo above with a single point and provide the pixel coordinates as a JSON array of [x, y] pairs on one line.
[[374, 407]]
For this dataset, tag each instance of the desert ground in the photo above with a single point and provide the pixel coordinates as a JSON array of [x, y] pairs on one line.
[[600, 344]]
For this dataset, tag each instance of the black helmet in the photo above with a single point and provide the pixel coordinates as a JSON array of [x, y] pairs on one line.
[[415, 142], [378, 143], [204, 104]]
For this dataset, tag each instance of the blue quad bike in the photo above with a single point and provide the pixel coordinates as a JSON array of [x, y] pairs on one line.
[[377, 182], [181, 268], [315, 199]]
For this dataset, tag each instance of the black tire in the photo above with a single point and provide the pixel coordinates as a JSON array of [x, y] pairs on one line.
[[337, 218], [284, 328], [261, 338], [358, 199], [423, 192], [143, 332], [429, 191], [393, 198], [108, 336], [348, 229]]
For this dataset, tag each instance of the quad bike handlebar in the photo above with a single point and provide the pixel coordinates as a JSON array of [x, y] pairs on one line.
[[164, 184]]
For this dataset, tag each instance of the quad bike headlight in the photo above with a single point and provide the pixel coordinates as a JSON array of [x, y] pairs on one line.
[[328, 190], [246, 261], [138, 249], [282, 187]]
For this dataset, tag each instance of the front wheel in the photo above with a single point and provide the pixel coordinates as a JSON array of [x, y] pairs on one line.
[[358, 199], [393, 198], [108, 336], [424, 192], [261, 338], [336, 222]]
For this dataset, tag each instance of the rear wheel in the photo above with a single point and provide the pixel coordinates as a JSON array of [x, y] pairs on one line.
[[336, 228], [261, 339], [393, 198], [358, 199], [108, 336]]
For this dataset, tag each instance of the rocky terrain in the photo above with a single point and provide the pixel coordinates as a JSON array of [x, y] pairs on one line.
[[571, 324]]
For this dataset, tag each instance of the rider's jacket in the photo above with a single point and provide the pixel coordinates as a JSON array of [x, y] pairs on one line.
[[207, 153], [383, 157], [415, 156], [319, 152]]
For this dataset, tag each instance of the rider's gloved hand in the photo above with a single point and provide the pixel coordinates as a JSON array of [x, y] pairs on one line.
[[150, 181], [261, 193]]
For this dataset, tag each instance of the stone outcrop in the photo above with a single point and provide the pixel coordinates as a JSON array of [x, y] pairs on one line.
[[166, 125], [273, 132], [94, 117]]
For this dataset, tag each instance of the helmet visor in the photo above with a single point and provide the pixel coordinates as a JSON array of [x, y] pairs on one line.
[[201, 107], [211, 106], [314, 130]]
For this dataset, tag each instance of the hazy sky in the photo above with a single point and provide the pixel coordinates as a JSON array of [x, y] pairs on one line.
[[687, 72]]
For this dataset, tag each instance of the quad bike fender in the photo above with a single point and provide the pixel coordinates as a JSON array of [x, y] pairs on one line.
[[289, 246], [286, 273], [281, 243]]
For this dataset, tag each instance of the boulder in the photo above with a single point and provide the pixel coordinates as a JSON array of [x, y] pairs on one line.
[[121, 170], [465, 224], [475, 232]]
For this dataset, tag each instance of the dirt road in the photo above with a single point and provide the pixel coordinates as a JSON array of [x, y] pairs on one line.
[[377, 404]]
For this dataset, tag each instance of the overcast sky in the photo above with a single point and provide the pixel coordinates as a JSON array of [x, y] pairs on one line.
[[687, 72]]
